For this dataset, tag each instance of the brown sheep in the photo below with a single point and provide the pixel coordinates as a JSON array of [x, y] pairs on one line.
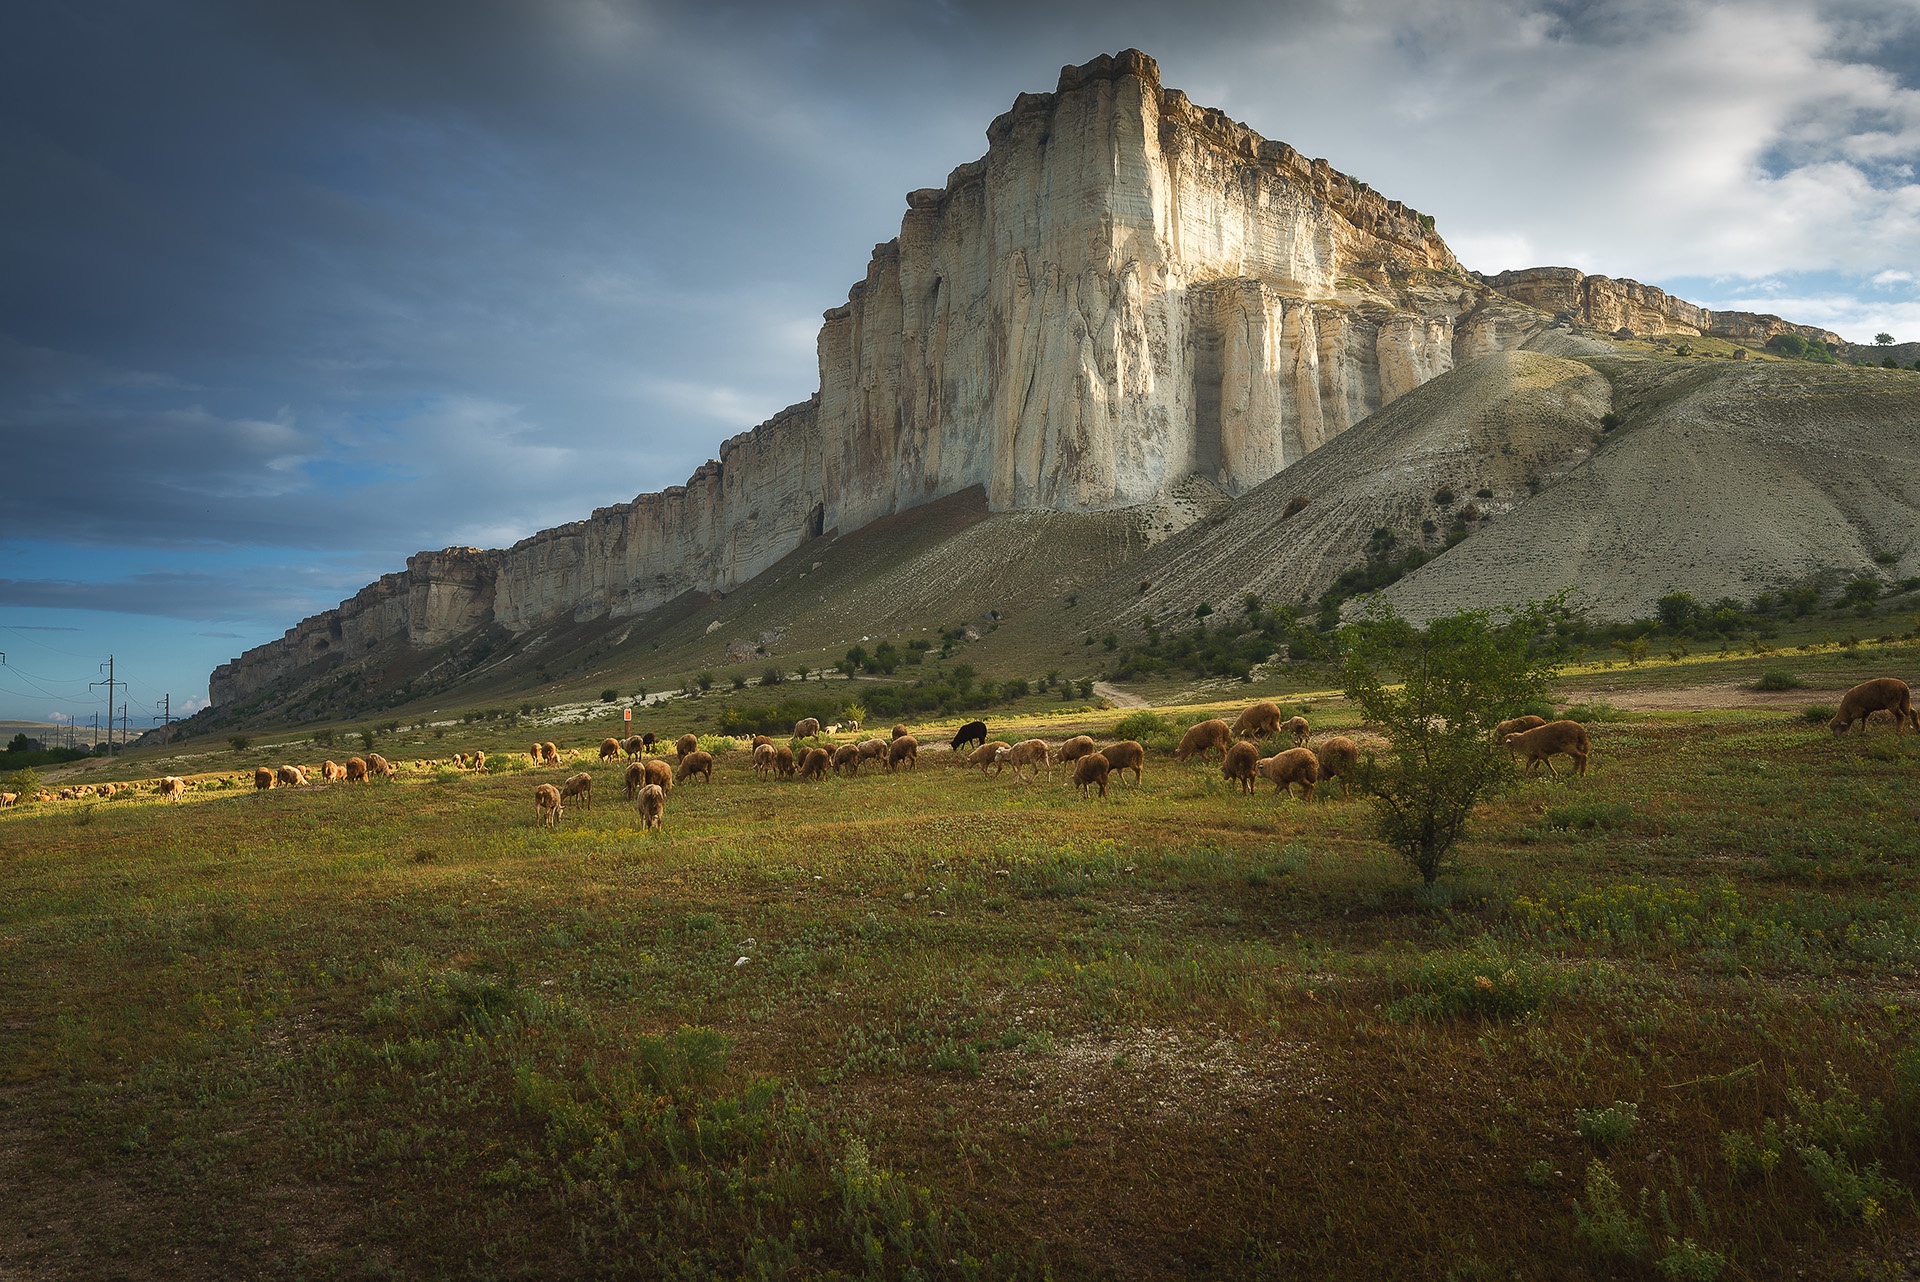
[[1519, 725], [1543, 743], [538, 752], [635, 779], [1339, 757], [546, 805], [847, 757], [1031, 752], [578, 785], [1204, 738], [356, 770], [1126, 755], [13, 798], [985, 755], [1297, 727], [172, 788], [1089, 771], [291, 777], [609, 748], [653, 807], [1074, 749], [906, 748], [550, 754], [1259, 720], [763, 759], [874, 749], [633, 746], [762, 739], [686, 744], [660, 774], [263, 779], [783, 764], [480, 762], [333, 772], [696, 763], [1882, 694], [1237, 765], [899, 732], [377, 765], [814, 764], [807, 728], [1294, 766]]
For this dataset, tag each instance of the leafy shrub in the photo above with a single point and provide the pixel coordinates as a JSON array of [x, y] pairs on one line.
[[1608, 1226], [239, 743], [1817, 714], [1608, 1127], [1777, 679], [1686, 1261], [25, 782], [1150, 729], [1485, 983]]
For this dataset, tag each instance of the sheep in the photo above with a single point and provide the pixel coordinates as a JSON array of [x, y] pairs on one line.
[[1339, 756], [546, 805], [783, 762], [1259, 720], [538, 753], [847, 757], [633, 746], [291, 776], [1519, 725], [1294, 766], [985, 755], [814, 764], [760, 739], [263, 779], [696, 763], [653, 807], [1126, 755], [685, 745], [480, 762], [972, 732], [549, 754], [763, 759], [1030, 752], [356, 770], [609, 748], [9, 799], [173, 788], [333, 772], [660, 774], [1543, 743], [899, 732], [906, 748], [377, 765], [1297, 727], [1882, 694], [635, 779], [807, 728], [1204, 738], [1237, 764], [1091, 770], [1074, 749], [578, 785], [647, 741]]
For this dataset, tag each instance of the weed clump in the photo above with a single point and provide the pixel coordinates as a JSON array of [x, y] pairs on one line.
[[1452, 985], [1608, 1127], [1777, 679]]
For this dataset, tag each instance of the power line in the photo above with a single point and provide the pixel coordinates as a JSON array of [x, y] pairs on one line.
[[109, 683]]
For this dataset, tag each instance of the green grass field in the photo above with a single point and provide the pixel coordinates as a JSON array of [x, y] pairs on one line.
[[1660, 1021]]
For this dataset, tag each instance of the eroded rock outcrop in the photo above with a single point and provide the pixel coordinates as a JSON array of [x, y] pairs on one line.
[[1612, 305]]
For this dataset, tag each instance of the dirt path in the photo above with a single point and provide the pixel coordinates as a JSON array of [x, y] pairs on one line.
[[1118, 697], [1707, 694]]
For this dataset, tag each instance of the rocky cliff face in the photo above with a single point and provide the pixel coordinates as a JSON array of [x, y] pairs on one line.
[[1612, 305]]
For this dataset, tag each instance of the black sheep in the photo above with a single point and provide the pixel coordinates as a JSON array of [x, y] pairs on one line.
[[972, 732]]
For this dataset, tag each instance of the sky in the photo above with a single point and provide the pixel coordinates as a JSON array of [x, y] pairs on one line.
[[291, 291]]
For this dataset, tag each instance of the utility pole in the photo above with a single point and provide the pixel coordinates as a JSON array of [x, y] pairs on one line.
[[123, 725], [109, 683], [96, 733], [166, 716]]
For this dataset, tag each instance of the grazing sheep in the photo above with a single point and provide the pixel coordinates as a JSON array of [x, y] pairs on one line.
[[1205, 738], [538, 752], [1259, 720], [291, 777], [263, 779], [633, 746], [783, 763], [635, 779], [480, 762], [874, 749], [1297, 727], [377, 765], [647, 741], [660, 774], [696, 763], [1543, 743], [578, 785], [1339, 757], [609, 748], [1126, 755], [546, 805], [814, 764], [763, 759], [972, 732], [807, 728], [899, 732], [333, 772], [549, 754], [1882, 694], [686, 745], [356, 770], [1237, 764], [1294, 766], [1091, 770], [1030, 752], [760, 739], [653, 807], [1519, 725], [1074, 749], [172, 788], [9, 798], [985, 755], [847, 757], [906, 748]]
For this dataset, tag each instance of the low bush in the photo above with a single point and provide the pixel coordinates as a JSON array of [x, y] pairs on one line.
[[1777, 679], [1817, 714], [1484, 983], [1608, 1127]]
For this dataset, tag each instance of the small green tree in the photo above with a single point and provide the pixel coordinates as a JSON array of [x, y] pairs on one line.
[[704, 681], [239, 743], [1883, 340], [24, 783], [367, 735], [1458, 678]]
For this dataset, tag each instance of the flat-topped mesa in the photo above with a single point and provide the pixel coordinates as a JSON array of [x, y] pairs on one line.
[[1614, 305]]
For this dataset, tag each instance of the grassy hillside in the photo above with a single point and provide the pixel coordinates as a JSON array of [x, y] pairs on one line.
[[982, 1028]]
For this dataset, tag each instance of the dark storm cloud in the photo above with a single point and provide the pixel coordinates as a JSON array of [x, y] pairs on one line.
[[176, 596]]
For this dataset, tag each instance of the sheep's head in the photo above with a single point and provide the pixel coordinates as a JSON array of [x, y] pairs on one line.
[[1837, 725]]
